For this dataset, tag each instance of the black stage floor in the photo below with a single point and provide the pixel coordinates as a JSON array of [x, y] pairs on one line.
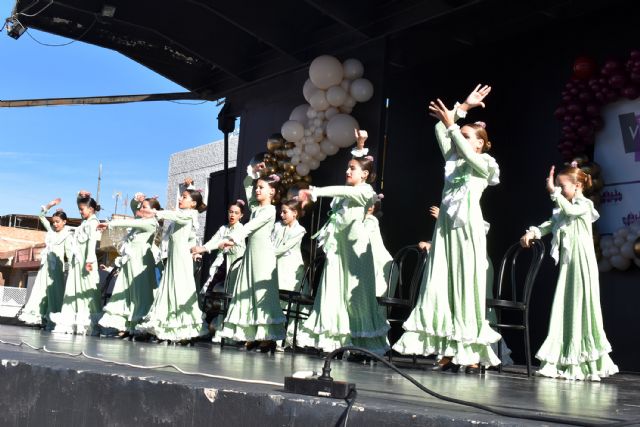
[[40, 388]]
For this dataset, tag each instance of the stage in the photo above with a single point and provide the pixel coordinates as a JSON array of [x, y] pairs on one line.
[[47, 388]]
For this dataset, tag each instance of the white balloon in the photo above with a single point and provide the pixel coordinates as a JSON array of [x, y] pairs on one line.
[[308, 89], [295, 160], [606, 241], [305, 157], [353, 68], [635, 227], [320, 115], [303, 169], [632, 236], [312, 149], [627, 250], [328, 147], [620, 262], [307, 132], [297, 150], [292, 130], [346, 85], [299, 114], [341, 130], [331, 111], [317, 122], [336, 96], [614, 250], [314, 164], [311, 113], [349, 102], [325, 71], [319, 101], [618, 241], [317, 137], [320, 156], [361, 90], [621, 232], [604, 265], [318, 131], [345, 110], [290, 153]]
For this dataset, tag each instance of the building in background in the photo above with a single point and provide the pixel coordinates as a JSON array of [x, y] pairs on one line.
[[198, 163]]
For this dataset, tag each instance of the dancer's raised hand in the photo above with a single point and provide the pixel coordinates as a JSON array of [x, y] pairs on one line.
[[476, 97], [551, 180], [438, 110], [361, 137]]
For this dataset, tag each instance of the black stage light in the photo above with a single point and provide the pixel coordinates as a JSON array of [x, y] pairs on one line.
[[14, 28]]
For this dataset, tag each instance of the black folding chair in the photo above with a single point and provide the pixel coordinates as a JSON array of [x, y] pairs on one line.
[[409, 262], [513, 291], [298, 303]]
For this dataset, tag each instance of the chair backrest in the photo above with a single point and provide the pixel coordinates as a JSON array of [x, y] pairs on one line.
[[312, 275], [408, 265], [510, 270]]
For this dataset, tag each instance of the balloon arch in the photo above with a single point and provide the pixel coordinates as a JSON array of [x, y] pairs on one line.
[[589, 90]]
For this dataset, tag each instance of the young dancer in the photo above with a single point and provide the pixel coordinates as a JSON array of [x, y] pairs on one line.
[[132, 294], [254, 314], [449, 317], [345, 311], [227, 255], [81, 305], [48, 288], [175, 315], [576, 347], [287, 237]]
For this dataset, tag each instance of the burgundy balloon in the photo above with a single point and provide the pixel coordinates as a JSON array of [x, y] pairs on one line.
[[559, 113], [574, 108], [630, 92], [585, 130], [597, 123], [618, 80], [592, 110], [585, 96]]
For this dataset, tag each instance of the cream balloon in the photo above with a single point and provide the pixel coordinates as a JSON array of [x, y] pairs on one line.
[[353, 69], [292, 131], [341, 130], [312, 149], [320, 155], [318, 101], [331, 111], [336, 96], [311, 113], [307, 132], [303, 169], [308, 89], [325, 71], [620, 262], [299, 114], [627, 250], [317, 122], [320, 115], [350, 102], [297, 150], [305, 157], [345, 110], [361, 90], [346, 85], [295, 160], [328, 147], [314, 164]]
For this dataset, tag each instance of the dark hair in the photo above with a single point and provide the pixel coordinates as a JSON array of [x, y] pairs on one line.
[[294, 205], [60, 214], [239, 204], [196, 196], [154, 203], [577, 175], [481, 133], [366, 164], [88, 201]]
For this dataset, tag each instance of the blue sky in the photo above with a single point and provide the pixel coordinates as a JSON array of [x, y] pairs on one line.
[[48, 152]]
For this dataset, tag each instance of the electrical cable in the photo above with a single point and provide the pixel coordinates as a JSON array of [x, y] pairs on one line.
[[189, 103], [130, 365], [38, 12], [326, 374], [61, 44], [345, 415]]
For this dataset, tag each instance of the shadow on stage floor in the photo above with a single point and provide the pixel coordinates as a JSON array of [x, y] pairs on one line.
[[57, 389]]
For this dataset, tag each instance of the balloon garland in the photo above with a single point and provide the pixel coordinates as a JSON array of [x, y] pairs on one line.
[[583, 97], [322, 126]]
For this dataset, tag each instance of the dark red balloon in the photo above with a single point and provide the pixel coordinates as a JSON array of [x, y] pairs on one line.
[[559, 113], [584, 67], [574, 108], [585, 96], [597, 123], [585, 130], [617, 80], [630, 92], [592, 109]]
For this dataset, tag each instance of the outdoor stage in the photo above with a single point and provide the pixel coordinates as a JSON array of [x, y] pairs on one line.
[[40, 388]]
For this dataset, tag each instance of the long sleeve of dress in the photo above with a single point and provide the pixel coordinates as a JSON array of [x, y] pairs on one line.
[[360, 194], [542, 229], [215, 240], [43, 219], [568, 208], [290, 243], [179, 217], [476, 160], [444, 141], [263, 216], [132, 223], [248, 187]]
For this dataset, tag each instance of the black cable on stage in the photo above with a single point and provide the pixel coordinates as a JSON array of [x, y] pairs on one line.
[[326, 375], [350, 399]]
